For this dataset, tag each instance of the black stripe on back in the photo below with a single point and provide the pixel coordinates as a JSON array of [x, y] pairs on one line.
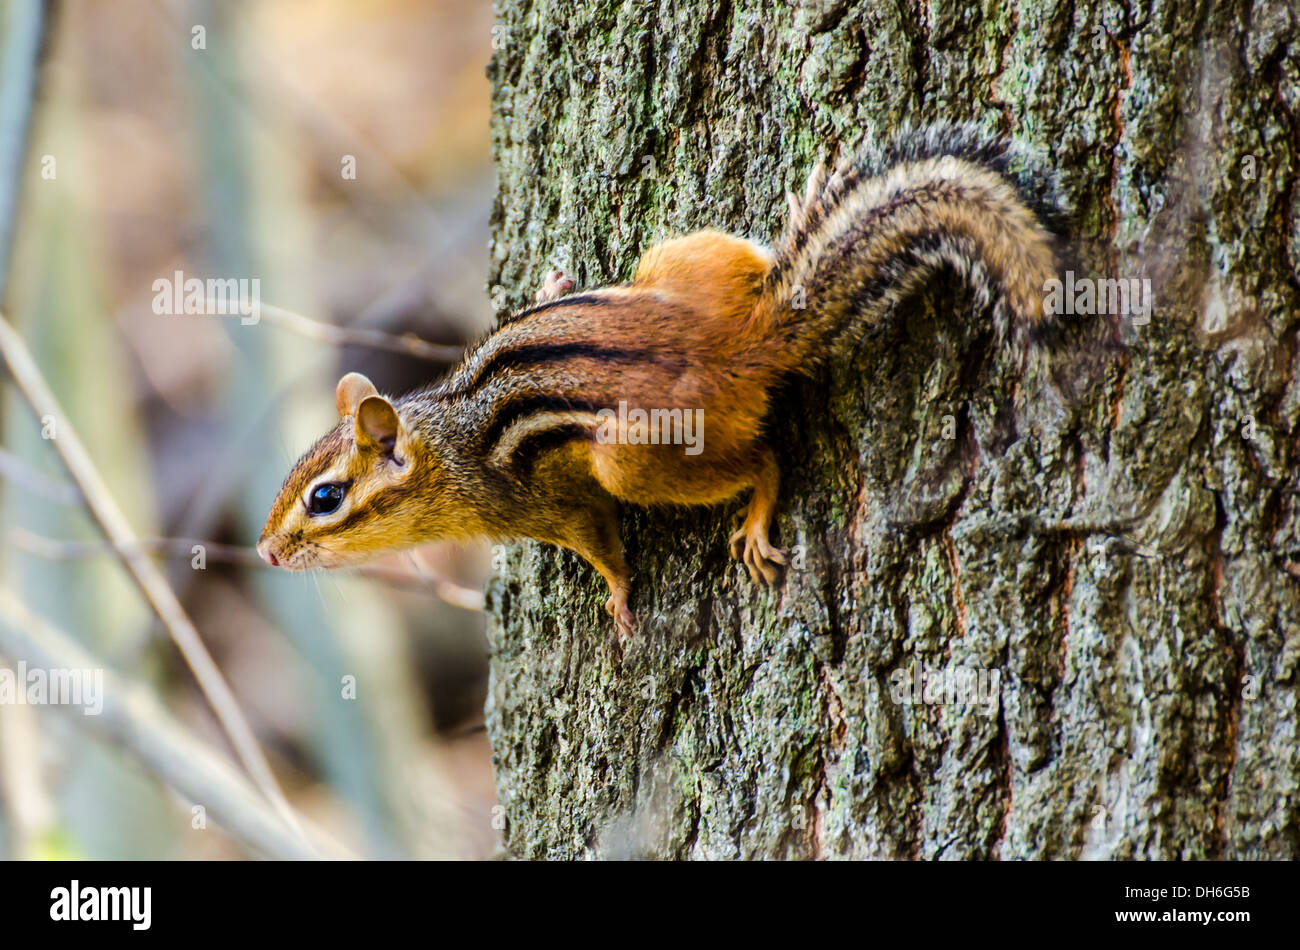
[[573, 300], [515, 409], [534, 354], [536, 444]]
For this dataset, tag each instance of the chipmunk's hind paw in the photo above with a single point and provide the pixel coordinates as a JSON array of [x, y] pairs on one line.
[[764, 562], [624, 620]]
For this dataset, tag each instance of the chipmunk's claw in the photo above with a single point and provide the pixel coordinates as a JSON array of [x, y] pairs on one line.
[[763, 561], [556, 286]]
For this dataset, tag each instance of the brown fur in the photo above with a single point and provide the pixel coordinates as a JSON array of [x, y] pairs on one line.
[[511, 444]]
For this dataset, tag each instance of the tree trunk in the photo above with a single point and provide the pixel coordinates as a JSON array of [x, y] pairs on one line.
[[1108, 535]]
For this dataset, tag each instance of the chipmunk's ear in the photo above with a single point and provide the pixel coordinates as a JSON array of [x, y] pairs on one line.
[[378, 425], [351, 390]]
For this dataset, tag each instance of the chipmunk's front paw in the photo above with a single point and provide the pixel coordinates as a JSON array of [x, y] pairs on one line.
[[750, 546], [556, 286]]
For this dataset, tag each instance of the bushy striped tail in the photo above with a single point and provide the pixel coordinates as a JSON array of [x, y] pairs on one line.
[[879, 225]]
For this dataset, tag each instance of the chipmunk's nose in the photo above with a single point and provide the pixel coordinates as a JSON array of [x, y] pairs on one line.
[[264, 549]]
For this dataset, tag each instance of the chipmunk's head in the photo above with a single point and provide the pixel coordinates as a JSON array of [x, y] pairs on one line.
[[357, 493]]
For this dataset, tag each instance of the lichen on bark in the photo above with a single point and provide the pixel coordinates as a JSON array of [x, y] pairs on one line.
[[1114, 530]]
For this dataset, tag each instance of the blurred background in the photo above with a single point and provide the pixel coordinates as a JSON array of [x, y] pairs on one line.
[[338, 152]]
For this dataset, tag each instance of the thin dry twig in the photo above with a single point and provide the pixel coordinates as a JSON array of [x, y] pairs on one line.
[[153, 585], [406, 343], [19, 472], [448, 590], [131, 718], [424, 580], [25, 30], [28, 805]]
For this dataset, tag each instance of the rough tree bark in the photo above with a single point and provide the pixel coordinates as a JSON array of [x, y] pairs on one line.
[[1115, 531]]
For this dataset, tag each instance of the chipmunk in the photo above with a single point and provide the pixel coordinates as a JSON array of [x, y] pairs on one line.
[[531, 437]]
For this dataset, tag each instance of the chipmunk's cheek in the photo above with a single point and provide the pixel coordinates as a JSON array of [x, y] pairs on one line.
[[325, 558]]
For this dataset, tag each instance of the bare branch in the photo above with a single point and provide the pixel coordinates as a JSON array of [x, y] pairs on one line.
[[24, 28], [425, 580], [407, 343], [104, 508], [133, 720], [24, 796], [447, 589], [38, 483]]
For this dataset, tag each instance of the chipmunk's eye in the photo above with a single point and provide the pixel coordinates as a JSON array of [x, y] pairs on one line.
[[326, 498]]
